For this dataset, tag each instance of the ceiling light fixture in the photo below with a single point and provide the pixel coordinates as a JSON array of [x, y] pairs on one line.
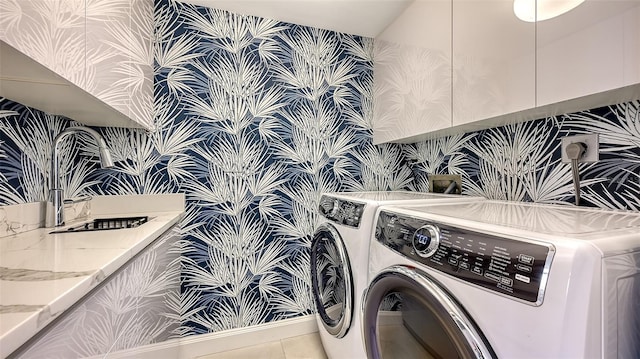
[[525, 10]]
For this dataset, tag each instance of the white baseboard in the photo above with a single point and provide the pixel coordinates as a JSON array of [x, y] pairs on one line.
[[203, 344]]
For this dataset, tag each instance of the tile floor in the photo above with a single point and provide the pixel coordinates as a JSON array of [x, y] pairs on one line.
[[306, 346]]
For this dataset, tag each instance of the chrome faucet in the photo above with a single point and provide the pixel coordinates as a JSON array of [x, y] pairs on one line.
[[56, 194]]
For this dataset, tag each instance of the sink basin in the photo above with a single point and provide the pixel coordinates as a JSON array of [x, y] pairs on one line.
[[103, 224]]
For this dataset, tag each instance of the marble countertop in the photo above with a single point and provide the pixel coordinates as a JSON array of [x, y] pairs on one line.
[[43, 274]]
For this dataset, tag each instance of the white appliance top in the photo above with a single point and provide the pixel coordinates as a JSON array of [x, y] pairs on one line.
[[549, 219], [399, 196]]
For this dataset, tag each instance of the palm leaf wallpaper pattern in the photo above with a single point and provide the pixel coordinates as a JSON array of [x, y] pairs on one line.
[[522, 162], [255, 119]]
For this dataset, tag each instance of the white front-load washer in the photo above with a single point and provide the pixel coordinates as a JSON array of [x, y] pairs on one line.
[[339, 262], [498, 279]]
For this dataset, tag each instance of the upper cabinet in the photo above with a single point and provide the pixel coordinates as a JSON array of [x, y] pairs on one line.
[[89, 60], [412, 73], [589, 50], [119, 56], [49, 32], [502, 69], [446, 63], [493, 61]]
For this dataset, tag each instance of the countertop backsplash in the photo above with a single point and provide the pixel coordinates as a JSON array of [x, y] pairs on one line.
[[21, 217]]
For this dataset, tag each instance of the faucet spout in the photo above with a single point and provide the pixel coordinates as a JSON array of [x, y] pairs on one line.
[[56, 193]]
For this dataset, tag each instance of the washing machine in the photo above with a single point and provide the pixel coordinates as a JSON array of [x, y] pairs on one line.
[[503, 280], [339, 262]]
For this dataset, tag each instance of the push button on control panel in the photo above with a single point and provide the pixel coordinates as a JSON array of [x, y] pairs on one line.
[[524, 268], [492, 276], [455, 259], [526, 259], [477, 270], [506, 281]]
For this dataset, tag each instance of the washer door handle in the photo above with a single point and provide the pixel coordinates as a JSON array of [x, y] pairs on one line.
[[469, 334]]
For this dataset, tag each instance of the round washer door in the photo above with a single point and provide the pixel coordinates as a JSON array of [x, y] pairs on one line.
[[408, 314], [331, 280]]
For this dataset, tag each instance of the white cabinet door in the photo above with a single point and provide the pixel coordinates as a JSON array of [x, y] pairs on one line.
[[141, 75], [119, 60], [51, 32], [588, 50], [412, 73], [493, 61], [108, 25], [90, 60]]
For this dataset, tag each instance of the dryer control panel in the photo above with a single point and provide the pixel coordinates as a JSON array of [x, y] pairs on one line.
[[348, 213], [513, 267]]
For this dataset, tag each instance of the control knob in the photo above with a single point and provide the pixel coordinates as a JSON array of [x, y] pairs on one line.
[[426, 240], [326, 205], [335, 208]]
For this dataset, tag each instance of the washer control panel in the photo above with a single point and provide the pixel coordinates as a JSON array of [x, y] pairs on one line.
[[517, 268], [348, 213]]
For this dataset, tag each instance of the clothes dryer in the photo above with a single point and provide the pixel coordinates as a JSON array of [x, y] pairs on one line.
[[339, 262], [503, 280]]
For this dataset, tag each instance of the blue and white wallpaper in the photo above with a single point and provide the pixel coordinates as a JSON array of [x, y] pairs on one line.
[[522, 162], [255, 119]]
